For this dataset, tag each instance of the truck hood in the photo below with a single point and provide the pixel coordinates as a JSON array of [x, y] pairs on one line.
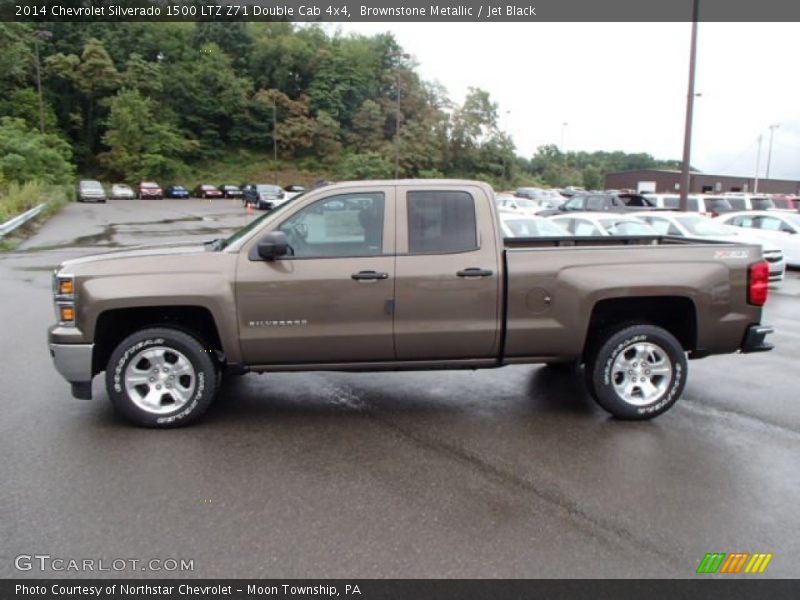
[[179, 248]]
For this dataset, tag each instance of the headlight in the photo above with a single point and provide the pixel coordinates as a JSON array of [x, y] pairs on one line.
[[64, 292]]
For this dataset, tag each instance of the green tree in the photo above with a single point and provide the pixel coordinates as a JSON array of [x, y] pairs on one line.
[[28, 155], [23, 103], [140, 146], [143, 75], [88, 80], [208, 97], [366, 165]]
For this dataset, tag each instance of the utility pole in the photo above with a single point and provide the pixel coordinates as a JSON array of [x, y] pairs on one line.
[[397, 119], [505, 133], [758, 163], [563, 130], [397, 129], [772, 129], [275, 139], [40, 35], [687, 137]]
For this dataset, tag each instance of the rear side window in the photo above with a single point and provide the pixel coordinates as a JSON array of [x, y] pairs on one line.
[[717, 204], [441, 222], [762, 204], [585, 228], [663, 226]]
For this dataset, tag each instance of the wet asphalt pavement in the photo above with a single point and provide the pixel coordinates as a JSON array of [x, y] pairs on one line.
[[511, 472]]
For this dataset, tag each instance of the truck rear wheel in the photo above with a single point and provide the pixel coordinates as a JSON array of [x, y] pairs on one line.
[[161, 377], [637, 371]]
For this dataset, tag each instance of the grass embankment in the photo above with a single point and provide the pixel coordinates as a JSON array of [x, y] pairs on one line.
[[243, 166], [15, 199]]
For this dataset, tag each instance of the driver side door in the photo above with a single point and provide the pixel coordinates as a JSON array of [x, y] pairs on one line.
[[331, 300]]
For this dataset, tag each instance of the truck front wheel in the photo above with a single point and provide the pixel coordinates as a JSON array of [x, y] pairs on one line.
[[637, 371], [161, 377]]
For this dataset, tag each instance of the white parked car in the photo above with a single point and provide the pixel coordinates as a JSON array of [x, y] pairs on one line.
[[514, 225], [749, 201], [692, 225], [603, 224], [524, 206], [705, 205], [120, 191], [780, 228]]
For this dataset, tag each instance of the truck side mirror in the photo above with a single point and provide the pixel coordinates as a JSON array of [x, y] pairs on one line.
[[273, 245]]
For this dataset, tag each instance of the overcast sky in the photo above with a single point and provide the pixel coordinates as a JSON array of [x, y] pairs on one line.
[[623, 86]]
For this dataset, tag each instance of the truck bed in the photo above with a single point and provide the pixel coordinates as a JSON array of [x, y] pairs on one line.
[[553, 285]]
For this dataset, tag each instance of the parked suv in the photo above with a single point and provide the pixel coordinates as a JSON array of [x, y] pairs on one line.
[[262, 196], [749, 202], [90, 190]]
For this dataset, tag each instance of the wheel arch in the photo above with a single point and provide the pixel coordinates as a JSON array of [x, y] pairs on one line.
[[675, 314], [114, 325]]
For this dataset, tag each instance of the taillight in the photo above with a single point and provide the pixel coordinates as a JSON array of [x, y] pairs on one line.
[[758, 283]]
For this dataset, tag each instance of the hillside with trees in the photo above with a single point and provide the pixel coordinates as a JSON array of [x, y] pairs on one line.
[[131, 101]]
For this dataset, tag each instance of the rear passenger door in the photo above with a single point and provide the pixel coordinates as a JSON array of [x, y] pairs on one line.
[[447, 274]]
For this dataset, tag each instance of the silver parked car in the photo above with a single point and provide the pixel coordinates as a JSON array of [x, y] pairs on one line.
[[90, 190], [121, 191]]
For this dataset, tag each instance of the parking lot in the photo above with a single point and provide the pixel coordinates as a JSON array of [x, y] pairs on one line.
[[512, 472]]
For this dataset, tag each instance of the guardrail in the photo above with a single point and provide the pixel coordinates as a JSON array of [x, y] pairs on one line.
[[19, 220]]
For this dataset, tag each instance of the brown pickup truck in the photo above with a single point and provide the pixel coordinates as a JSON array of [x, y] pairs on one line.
[[400, 275]]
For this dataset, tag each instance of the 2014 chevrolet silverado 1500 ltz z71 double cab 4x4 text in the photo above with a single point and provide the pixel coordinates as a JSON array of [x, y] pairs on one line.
[[400, 275]]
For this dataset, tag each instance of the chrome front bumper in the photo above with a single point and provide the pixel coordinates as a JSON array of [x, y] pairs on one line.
[[74, 362]]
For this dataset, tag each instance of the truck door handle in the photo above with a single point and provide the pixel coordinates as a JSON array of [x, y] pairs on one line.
[[369, 275], [475, 272]]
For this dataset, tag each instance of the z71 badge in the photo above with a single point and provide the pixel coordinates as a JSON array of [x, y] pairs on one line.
[[727, 254]]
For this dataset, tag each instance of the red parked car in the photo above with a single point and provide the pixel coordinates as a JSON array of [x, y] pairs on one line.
[[149, 190], [207, 191]]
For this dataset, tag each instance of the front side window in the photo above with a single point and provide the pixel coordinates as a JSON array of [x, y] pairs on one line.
[[596, 203], [574, 204], [338, 226], [441, 222]]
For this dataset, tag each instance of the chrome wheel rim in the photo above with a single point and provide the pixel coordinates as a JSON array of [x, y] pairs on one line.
[[641, 373], [160, 380]]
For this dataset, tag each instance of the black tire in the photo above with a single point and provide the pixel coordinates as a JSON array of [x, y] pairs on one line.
[[602, 372], [203, 390]]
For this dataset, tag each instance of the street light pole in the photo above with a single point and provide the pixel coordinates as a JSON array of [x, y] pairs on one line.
[[40, 35], [275, 139], [772, 129], [563, 130], [758, 164], [397, 119], [687, 137], [397, 128]]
